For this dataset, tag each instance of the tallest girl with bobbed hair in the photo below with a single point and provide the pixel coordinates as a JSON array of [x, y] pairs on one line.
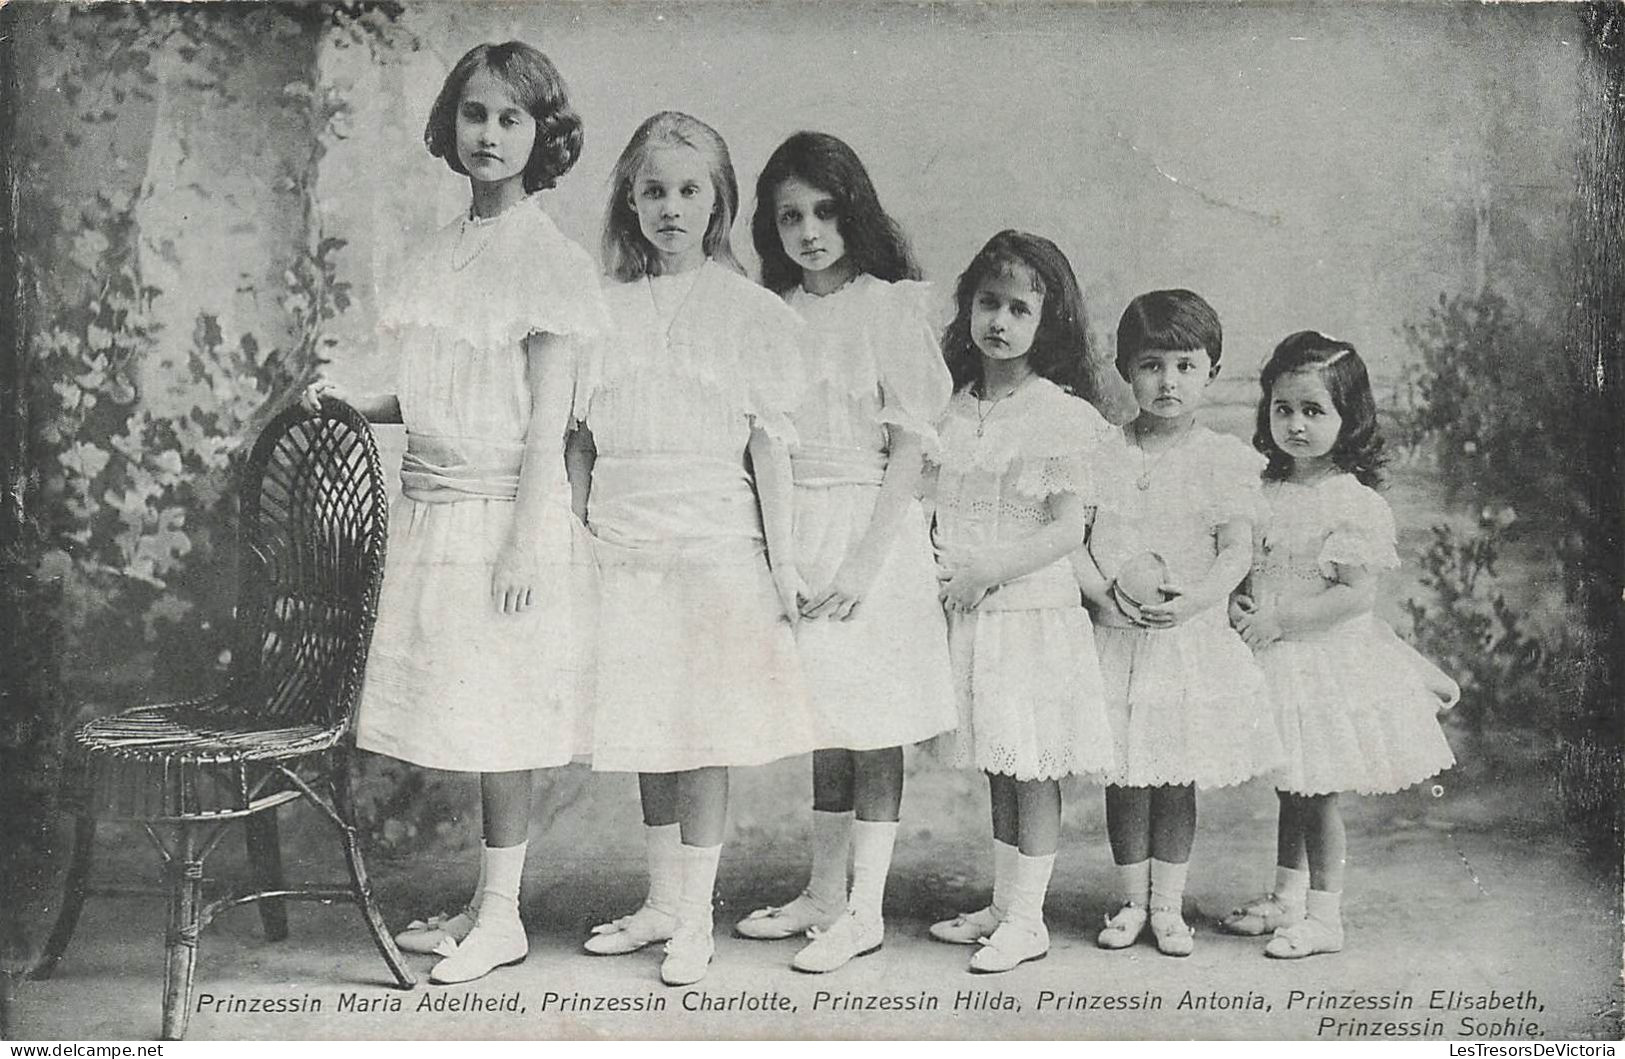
[[872, 637], [475, 659]]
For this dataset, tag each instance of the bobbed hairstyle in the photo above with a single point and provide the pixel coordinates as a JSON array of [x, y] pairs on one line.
[[1168, 319], [626, 254], [1061, 350], [874, 242], [1359, 448], [537, 86]]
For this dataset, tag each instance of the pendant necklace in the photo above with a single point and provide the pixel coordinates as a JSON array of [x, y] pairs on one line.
[[460, 259], [982, 417], [1147, 463], [677, 314]]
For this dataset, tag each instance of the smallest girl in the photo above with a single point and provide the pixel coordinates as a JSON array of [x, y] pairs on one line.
[[1185, 698], [1351, 704], [1016, 487]]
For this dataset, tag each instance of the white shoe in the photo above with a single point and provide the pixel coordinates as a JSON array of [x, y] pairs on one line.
[[1012, 945], [424, 936], [630, 933], [487, 947], [688, 957], [968, 928], [1124, 928], [788, 921], [848, 937]]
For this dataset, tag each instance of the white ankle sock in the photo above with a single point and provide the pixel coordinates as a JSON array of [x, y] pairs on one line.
[[1325, 905], [1028, 887], [872, 843], [1290, 885], [699, 868], [661, 844], [479, 886], [499, 892], [1168, 884], [1134, 880], [832, 843], [1005, 856]]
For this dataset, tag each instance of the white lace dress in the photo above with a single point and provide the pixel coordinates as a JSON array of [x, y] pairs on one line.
[[451, 682], [1350, 704], [881, 678], [697, 665], [1187, 704], [1026, 677]]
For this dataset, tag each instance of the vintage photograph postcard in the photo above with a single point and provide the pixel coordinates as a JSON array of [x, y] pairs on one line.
[[874, 520]]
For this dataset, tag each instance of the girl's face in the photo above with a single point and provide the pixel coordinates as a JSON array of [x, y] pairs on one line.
[[809, 226], [1304, 422], [494, 133], [1169, 383], [1004, 313], [675, 199]]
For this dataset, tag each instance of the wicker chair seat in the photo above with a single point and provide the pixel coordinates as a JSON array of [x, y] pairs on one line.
[[187, 759]]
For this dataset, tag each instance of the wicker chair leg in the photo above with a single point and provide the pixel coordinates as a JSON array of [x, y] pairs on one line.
[[181, 940], [265, 857], [73, 898], [344, 806]]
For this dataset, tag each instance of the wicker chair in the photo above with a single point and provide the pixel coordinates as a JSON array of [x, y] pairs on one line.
[[313, 514]]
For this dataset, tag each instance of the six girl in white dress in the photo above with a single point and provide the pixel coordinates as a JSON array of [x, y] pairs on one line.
[[759, 581]]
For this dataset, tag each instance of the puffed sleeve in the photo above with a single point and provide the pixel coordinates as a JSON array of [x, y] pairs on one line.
[[772, 364], [1362, 527], [1067, 446], [914, 382], [1232, 485]]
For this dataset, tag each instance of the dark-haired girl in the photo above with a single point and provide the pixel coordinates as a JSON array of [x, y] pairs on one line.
[[1352, 707], [1017, 482], [475, 653], [872, 638]]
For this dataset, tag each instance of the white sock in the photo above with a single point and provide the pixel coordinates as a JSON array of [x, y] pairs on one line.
[[832, 843], [1290, 886], [1028, 887], [479, 886], [1134, 880], [1168, 884], [662, 844], [499, 890], [872, 842], [1005, 856], [1325, 905], [699, 868]]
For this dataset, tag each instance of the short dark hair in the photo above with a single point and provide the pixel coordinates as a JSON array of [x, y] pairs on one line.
[[1359, 448], [1061, 350], [875, 244], [537, 86], [1175, 319]]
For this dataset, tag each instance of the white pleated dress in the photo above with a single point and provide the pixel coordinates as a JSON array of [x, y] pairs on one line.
[[697, 664], [1026, 677], [451, 682], [1351, 705], [881, 678], [1187, 704]]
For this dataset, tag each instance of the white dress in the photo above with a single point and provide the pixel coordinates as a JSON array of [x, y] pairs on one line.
[[451, 682], [1350, 703], [881, 678], [1187, 704], [697, 665], [1026, 677]]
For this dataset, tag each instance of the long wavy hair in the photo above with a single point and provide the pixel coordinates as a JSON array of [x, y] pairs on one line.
[[1359, 447], [625, 253], [874, 242], [537, 86], [1061, 350]]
